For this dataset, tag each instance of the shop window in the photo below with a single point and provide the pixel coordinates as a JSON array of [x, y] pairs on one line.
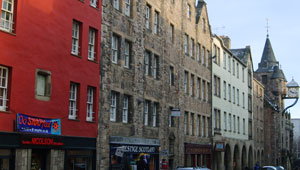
[[80, 160], [43, 85], [7, 159]]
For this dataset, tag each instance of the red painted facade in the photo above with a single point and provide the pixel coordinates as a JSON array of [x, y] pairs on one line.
[[42, 39]]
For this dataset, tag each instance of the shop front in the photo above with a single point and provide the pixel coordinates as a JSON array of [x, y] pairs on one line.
[[134, 153], [197, 155], [39, 145]]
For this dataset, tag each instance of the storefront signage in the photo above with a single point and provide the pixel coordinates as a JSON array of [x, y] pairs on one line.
[[32, 124], [175, 112], [197, 149], [219, 146], [42, 141], [120, 149]]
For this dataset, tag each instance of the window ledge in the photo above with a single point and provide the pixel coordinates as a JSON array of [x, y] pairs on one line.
[[76, 55], [90, 121], [93, 61], [42, 98], [11, 33], [5, 111], [75, 119]]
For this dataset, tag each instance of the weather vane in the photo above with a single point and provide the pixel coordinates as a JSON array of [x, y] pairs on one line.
[[267, 27]]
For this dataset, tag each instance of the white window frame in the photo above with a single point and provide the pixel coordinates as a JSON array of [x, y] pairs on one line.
[[113, 106], [91, 46], [75, 37], [186, 78], [146, 113], [154, 66], [90, 104], [192, 47], [7, 16], [127, 54], [147, 62], [93, 3], [73, 101], [127, 7], [3, 88], [116, 4], [125, 109], [154, 114], [198, 52], [185, 45], [156, 22], [115, 49], [148, 16]]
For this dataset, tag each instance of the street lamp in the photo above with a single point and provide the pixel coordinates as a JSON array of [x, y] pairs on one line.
[[293, 93]]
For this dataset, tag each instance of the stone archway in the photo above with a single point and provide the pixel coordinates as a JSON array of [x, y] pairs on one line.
[[244, 157], [236, 158], [250, 158], [227, 158]]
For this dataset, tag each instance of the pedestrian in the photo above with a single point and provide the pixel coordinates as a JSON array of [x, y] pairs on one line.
[[256, 166]]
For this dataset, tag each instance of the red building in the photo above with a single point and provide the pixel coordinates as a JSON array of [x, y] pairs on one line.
[[49, 83]]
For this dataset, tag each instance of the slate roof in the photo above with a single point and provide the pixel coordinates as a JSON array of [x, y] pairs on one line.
[[268, 60], [241, 54]]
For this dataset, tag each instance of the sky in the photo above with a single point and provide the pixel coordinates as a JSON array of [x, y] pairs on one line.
[[245, 22]]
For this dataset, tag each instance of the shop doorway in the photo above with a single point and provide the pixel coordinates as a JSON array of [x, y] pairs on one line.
[[40, 159]]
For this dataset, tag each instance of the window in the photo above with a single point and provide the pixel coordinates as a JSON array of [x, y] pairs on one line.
[[188, 11], [192, 85], [203, 55], [185, 123], [186, 79], [147, 62], [186, 44], [224, 89], [243, 99], [94, 3], [229, 92], [217, 119], [198, 125], [125, 109], [244, 127], [148, 16], [7, 15], [198, 53], [172, 33], [127, 53], [171, 76], [113, 106], [225, 121], [203, 126], [233, 95], [229, 122], [233, 67], [192, 124], [127, 7], [243, 74], [224, 60], [217, 86], [92, 49], [207, 90], [146, 113], [73, 100], [3, 88], [43, 85], [75, 37], [115, 48], [206, 57], [203, 25], [203, 90], [238, 96], [90, 104], [156, 22], [198, 88], [237, 70], [238, 124], [229, 63], [192, 48], [234, 123], [154, 114], [116, 4], [155, 66]]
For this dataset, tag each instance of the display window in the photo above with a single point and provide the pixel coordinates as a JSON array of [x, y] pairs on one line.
[[80, 160], [6, 159]]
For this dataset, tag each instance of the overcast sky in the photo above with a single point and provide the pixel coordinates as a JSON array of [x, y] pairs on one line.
[[245, 21]]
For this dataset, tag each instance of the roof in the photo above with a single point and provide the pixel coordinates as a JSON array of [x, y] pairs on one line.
[[268, 60], [241, 54]]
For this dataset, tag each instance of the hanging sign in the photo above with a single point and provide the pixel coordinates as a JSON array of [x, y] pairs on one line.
[[32, 124]]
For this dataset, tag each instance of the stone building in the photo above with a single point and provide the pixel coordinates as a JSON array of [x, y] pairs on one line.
[[278, 127], [155, 81], [258, 121], [232, 116]]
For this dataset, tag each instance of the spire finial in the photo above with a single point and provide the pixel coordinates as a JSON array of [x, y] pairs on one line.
[[267, 27]]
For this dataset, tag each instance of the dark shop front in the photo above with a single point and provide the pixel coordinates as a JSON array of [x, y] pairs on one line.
[[134, 153]]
